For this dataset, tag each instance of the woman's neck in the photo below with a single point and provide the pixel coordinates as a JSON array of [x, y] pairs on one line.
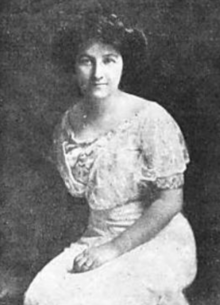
[[97, 109]]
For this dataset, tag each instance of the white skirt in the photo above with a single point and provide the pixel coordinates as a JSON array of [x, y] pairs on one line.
[[155, 273]]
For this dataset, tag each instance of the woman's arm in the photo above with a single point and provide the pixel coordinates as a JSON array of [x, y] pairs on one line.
[[153, 220]]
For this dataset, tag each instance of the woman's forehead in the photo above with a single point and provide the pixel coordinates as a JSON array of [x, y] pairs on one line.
[[98, 47]]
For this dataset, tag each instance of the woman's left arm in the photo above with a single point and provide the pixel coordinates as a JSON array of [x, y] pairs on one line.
[[168, 203], [153, 220]]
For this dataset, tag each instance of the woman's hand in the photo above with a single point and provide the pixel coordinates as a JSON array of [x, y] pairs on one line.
[[95, 257], [152, 221]]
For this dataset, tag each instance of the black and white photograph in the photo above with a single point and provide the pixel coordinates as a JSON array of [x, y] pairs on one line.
[[110, 147]]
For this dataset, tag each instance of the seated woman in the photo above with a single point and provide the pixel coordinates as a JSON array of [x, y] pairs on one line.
[[127, 157]]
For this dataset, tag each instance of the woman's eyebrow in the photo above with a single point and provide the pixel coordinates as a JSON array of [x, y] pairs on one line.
[[112, 54], [85, 54]]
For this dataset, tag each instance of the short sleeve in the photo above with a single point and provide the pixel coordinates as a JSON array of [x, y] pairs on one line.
[[163, 147]]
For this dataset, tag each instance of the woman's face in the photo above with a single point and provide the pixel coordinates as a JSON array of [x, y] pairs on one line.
[[99, 69]]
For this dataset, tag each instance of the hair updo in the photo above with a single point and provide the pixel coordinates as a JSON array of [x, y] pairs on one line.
[[92, 25]]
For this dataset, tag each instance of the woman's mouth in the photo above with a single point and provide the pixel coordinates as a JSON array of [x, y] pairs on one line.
[[99, 84]]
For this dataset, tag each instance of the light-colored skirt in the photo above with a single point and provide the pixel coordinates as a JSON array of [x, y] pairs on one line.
[[155, 273]]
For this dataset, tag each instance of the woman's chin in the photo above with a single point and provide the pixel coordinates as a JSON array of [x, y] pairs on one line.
[[98, 95]]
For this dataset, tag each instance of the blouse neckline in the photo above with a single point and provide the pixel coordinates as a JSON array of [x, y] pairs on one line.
[[108, 134]]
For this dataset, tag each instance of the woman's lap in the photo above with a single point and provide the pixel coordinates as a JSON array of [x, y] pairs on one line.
[[140, 277]]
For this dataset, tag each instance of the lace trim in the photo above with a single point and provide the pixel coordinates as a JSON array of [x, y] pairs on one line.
[[172, 182]]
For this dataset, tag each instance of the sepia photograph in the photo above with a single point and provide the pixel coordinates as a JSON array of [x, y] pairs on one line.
[[110, 147]]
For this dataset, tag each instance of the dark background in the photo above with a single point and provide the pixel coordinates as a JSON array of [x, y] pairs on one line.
[[38, 218]]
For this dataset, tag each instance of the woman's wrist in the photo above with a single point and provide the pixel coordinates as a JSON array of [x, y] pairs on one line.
[[115, 248], [121, 245]]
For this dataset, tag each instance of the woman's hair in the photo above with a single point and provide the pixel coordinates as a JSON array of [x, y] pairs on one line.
[[93, 25]]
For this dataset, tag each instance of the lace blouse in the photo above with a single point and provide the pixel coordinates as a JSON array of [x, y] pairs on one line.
[[126, 164]]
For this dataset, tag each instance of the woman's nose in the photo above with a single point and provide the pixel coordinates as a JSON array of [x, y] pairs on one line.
[[98, 70]]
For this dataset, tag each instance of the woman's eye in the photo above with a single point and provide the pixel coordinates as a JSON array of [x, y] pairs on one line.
[[109, 60], [84, 61]]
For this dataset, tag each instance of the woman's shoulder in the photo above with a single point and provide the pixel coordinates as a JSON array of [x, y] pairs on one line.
[[68, 122], [73, 117], [153, 119], [147, 108]]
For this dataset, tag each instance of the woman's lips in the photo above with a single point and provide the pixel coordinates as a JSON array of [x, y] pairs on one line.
[[99, 84]]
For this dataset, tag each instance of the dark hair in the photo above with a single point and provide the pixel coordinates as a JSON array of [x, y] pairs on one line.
[[131, 43]]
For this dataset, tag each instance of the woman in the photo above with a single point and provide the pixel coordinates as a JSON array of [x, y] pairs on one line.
[[127, 157]]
